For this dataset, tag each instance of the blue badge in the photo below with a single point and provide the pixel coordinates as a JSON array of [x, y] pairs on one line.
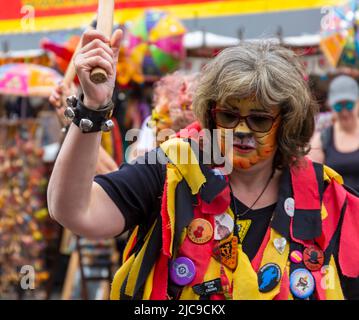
[[301, 283], [268, 277]]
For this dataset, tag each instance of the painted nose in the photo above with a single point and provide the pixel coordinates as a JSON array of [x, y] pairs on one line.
[[242, 127]]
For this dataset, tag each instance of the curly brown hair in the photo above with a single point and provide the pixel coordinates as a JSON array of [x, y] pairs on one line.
[[272, 74]]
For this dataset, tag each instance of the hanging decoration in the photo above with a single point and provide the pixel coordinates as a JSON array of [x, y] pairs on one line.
[[339, 35]]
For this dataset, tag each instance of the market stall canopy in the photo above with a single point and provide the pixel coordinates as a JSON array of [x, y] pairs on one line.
[[198, 39], [23, 16], [25, 79], [201, 39]]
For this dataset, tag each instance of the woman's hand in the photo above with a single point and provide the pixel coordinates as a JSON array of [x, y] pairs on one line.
[[58, 99], [97, 51]]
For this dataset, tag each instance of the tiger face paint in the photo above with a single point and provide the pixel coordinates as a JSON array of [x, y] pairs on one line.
[[249, 147]]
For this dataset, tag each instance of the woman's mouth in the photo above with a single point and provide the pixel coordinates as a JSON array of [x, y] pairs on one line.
[[243, 148]]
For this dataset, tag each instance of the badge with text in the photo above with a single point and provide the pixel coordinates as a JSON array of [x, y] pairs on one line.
[[242, 228], [313, 258], [226, 252], [182, 271], [200, 231], [268, 277], [208, 287]]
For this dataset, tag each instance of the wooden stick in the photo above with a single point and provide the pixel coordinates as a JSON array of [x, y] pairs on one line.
[[104, 25], [70, 73]]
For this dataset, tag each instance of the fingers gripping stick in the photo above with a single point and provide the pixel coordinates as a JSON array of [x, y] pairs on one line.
[[104, 25]]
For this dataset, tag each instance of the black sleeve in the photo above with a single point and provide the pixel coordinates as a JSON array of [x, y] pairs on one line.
[[136, 189]]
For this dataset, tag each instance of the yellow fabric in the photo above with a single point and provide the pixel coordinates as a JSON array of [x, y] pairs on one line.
[[329, 174], [188, 294], [107, 143], [245, 283], [173, 178], [129, 243], [149, 285], [182, 156], [333, 289], [133, 274], [119, 277], [324, 212], [245, 280]]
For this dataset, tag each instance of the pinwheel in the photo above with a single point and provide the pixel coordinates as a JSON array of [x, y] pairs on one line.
[[155, 42]]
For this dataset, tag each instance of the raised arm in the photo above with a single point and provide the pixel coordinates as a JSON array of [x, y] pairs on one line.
[[74, 200]]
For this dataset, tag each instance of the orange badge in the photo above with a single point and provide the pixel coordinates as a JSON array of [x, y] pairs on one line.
[[200, 231], [226, 252]]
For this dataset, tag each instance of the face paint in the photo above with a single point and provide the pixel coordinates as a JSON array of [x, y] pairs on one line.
[[249, 147]]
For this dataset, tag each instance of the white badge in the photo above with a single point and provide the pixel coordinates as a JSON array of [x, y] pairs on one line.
[[289, 206], [223, 226], [280, 244]]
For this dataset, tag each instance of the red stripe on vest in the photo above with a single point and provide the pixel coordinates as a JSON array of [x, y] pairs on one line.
[[160, 279], [284, 288], [305, 187], [349, 239], [333, 198], [166, 231]]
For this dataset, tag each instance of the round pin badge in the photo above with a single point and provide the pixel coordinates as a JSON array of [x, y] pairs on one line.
[[223, 226], [301, 283], [289, 207], [268, 277], [182, 271], [296, 256], [313, 258], [200, 231]]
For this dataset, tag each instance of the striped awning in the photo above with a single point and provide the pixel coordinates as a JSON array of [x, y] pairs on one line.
[[26, 16]]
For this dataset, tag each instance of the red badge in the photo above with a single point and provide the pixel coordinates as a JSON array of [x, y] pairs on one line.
[[313, 258]]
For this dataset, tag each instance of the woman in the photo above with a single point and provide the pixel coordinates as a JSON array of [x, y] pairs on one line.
[[338, 145], [282, 211]]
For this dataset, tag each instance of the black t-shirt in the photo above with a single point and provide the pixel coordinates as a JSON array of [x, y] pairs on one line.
[[137, 190]]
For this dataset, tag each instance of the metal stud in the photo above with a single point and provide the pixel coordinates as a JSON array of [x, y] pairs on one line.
[[86, 125], [69, 113], [107, 126], [71, 101]]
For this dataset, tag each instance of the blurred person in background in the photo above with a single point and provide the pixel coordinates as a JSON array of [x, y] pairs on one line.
[[172, 111], [338, 145]]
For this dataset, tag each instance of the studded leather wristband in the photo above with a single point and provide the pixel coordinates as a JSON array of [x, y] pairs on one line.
[[89, 120]]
